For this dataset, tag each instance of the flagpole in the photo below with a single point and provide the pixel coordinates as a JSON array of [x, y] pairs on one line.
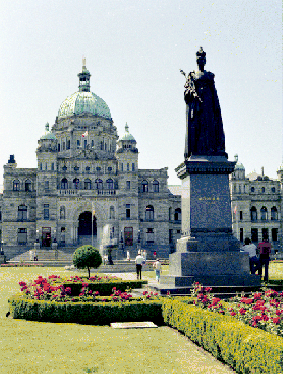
[[92, 223]]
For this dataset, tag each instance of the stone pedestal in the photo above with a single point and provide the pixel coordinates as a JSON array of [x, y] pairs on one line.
[[207, 252]]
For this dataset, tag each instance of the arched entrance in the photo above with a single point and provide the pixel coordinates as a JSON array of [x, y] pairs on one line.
[[84, 229]]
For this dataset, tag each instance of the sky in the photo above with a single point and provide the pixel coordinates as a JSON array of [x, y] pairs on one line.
[[134, 51]]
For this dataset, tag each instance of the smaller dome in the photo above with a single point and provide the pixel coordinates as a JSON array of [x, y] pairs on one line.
[[238, 166], [48, 135], [127, 135]]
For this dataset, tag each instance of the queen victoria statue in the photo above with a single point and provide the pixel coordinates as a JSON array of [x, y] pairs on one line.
[[204, 130]]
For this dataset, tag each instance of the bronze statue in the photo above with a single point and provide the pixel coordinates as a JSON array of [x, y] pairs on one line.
[[204, 130]]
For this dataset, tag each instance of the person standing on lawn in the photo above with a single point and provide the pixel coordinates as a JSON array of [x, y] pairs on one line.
[[139, 261], [264, 249], [251, 250], [158, 269]]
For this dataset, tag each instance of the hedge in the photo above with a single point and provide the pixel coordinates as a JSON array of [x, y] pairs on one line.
[[104, 288], [90, 313], [246, 349]]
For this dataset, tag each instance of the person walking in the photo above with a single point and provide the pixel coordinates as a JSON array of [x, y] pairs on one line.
[[31, 255], [251, 250], [158, 269], [264, 249], [128, 256], [144, 256], [139, 261]]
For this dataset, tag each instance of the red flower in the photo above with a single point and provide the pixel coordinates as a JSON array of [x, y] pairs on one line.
[[233, 313], [242, 311], [246, 300], [276, 320]]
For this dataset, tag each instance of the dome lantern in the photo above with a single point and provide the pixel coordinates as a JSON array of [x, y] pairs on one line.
[[84, 78]]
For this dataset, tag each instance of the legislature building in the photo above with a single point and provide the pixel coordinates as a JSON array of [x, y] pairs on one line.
[[87, 187]]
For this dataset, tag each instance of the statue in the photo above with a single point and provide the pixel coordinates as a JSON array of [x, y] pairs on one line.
[[204, 128]]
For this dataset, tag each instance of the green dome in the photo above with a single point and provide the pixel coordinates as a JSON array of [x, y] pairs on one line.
[[238, 166], [127, 135], [84, 102], [48, 135]]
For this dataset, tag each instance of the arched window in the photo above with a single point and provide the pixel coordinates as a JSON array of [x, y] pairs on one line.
[[68, 144], [87, 184], [253, 213], [27, 185], [110, 184], [98, 184], [262, 189], [92, 143], [149, 213], [133, 166], [274, 215], [64, 184], [58, 147], [263, 213], [76, 184], [177, 214], [155, 186], [128, 167], [112, 213], [22, 212], [62, 212], [16, 185], [144, 186]]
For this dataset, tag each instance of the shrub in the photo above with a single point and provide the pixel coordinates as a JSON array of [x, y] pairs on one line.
[[87, 257]]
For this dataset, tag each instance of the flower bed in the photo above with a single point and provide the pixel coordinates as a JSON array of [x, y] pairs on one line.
[[47, 299], [263, 310]]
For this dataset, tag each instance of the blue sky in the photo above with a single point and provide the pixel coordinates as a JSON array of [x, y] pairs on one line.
[[134, 50]]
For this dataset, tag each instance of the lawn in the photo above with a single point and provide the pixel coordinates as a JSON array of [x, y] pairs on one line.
[[37, 348]]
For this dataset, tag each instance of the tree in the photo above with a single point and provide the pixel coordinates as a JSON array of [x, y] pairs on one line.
[[87, 257]]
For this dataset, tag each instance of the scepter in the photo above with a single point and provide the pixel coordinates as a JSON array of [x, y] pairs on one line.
[[191, 86]]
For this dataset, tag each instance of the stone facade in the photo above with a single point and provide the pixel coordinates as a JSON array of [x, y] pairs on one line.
[[257, 205], [87, 187]]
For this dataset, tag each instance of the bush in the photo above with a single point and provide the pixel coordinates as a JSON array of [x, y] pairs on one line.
[[87, 257], [90, 313], [246, 349]]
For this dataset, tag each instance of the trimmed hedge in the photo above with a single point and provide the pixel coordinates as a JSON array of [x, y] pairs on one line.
[[246, 349], [90, 313], [104, 289]]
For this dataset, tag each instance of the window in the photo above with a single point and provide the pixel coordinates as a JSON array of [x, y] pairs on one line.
[[98, 168], [241, 235], [40, 166], [254, 235], [273, 189], [92, 143], [121, 166], [112, 213], [128, 185], [16, 185], [149, 213], [128, 211], [241, 215], [85, 143], [58, 147], [22, 236], [46, 185], [101, 146], [52, 166], [274, 233], [128, 167], [263, 213], [264, 234], [87, 168], [63, 146], [27, 185], [177, 215], [76, 183], [150, 235], [87, 184], [64, 184], [252, 189], [110, 184], [170, 236], [144, 186], [98, 184], [155, 186], [253, 213], [128, 236], [262, 189], [170, 214], [109, 169], [133, 166], [45, 211], [68, 146], [274, 215], [22, 213], [78, 144], [62, 212]]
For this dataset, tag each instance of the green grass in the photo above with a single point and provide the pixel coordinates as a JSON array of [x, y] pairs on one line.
[[38, 348]]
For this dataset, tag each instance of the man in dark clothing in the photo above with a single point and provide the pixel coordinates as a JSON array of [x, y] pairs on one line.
[[264, 249]]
